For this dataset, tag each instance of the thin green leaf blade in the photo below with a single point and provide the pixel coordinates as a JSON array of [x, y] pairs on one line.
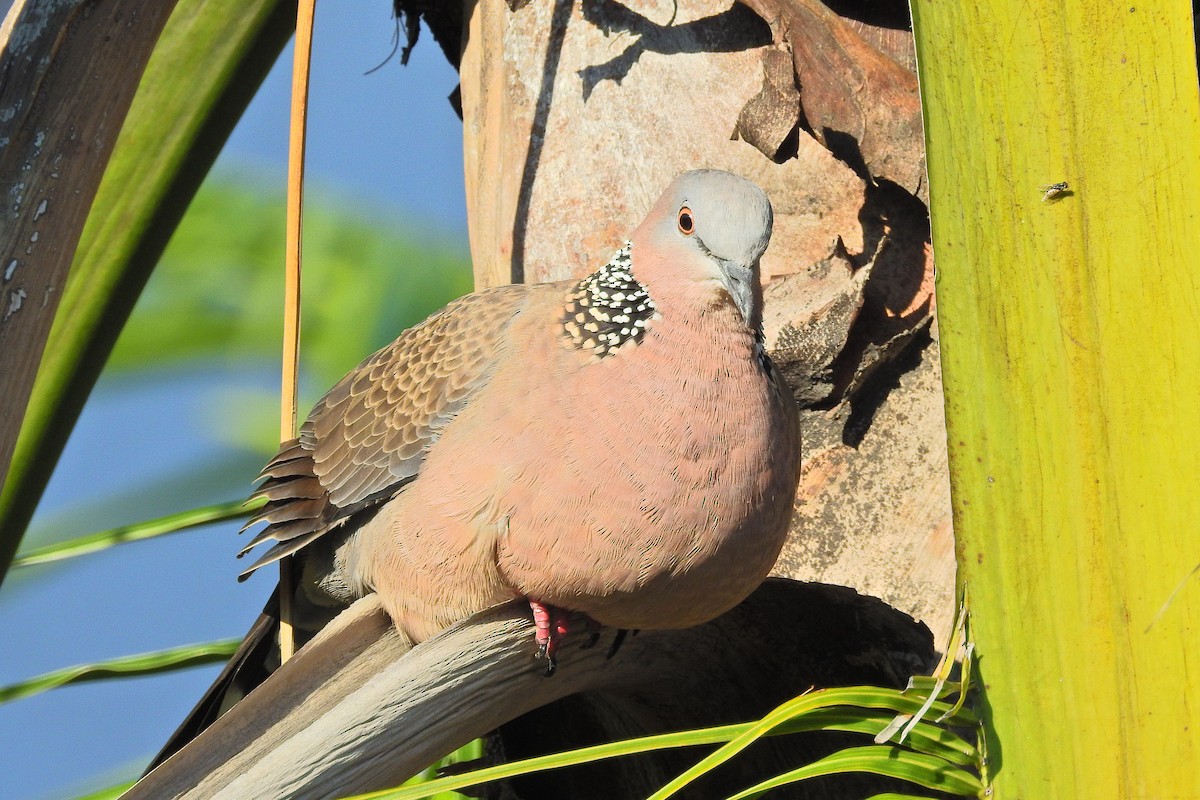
[[176, 658], [893, 762], [864, 696], [861, 709], [924, 737], [570, 758], [172, 523]]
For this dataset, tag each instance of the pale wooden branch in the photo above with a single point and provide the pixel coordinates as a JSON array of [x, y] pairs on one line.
[[358, 710], [348, 714]]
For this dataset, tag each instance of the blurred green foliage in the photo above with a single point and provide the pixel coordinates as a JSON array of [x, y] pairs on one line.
[[217, 292], [216, 296]]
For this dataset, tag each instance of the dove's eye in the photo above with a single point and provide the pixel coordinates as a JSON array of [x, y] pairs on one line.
[[687, 225]]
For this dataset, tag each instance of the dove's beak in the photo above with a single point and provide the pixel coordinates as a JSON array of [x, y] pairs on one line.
[[738, 280]]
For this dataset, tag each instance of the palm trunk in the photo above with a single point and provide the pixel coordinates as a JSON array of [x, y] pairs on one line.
[[1072, 369]]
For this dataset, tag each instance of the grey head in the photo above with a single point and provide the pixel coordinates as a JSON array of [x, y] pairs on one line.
[[717, 225]]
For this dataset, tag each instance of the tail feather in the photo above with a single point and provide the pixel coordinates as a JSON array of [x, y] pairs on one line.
[[286, 547]]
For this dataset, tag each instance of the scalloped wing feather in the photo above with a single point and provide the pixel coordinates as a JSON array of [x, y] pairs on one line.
[[368, 436]]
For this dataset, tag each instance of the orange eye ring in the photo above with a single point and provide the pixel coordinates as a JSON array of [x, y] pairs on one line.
[[687, 225]]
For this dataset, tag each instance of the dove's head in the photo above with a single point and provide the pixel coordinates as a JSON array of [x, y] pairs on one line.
[[709, 227]]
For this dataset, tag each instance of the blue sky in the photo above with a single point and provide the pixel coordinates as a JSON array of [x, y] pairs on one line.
[[388, 142]]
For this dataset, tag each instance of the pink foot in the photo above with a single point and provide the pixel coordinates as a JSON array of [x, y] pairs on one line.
[[551, 623]]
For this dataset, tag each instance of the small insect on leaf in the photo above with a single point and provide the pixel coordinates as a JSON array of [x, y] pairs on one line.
[[1053, 191]]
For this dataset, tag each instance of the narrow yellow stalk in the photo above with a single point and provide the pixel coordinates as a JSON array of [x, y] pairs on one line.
[[291, 306]]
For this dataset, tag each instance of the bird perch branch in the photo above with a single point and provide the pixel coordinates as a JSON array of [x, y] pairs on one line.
[[358, 709]]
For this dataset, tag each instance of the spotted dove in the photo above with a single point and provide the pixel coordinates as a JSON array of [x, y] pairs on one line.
[[619, 446]]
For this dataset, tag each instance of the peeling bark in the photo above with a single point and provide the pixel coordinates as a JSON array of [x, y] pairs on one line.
[[858, 101]]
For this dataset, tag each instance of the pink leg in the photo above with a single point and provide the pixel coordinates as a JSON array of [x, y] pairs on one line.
[[551, 623]]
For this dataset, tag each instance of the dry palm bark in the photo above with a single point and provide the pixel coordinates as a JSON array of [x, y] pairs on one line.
[[574, 115]]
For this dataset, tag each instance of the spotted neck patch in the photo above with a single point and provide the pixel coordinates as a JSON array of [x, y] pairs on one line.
[[608, 308]]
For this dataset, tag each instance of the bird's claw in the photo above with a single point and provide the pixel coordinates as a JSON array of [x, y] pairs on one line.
[[543, 651], [551, 624]]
